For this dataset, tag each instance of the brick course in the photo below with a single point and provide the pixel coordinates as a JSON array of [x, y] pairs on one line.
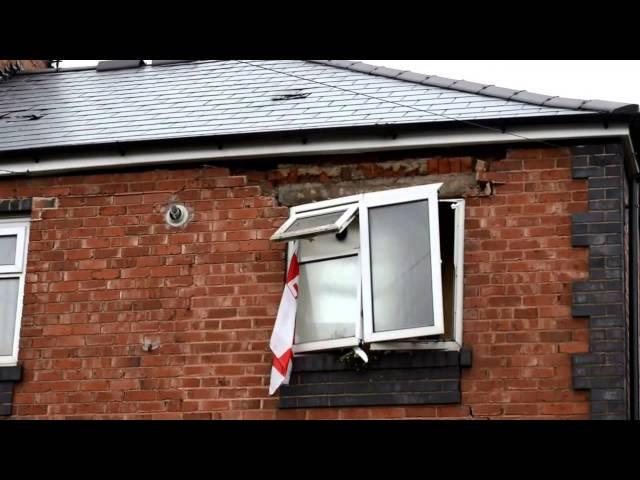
[[105, 274]]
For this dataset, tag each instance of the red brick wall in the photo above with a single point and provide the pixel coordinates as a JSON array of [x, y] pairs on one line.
[[12, 65], [519, 265], [105, 273]]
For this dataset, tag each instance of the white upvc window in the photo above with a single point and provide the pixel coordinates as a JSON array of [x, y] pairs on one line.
[[330, 268], [452, 269], [401, 277], [14, 237], [305, 223], [372, 272]]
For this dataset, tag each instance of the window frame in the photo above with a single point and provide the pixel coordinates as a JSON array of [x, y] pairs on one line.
[[398, 197], [21, 225], [338, 342], [319, 208], [458, 260], [336, 227], [19, 232], [458, 293]]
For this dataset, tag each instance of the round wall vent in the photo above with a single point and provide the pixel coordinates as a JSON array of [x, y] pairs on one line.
[[177, 215]]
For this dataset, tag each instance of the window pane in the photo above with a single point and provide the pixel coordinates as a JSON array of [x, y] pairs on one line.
[[329, 245], [328, 306], [8, 304], [316, 221], [401, 266], [8, 249]]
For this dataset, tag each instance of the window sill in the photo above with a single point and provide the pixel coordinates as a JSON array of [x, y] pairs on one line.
[[10, 373], [417, 377], [8, 376], [446, 346]]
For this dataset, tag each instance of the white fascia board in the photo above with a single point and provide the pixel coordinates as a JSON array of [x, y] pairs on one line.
[[326, 145]]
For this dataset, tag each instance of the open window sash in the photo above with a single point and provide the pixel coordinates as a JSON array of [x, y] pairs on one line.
[[401, 266], [431, 343], [303, 224]]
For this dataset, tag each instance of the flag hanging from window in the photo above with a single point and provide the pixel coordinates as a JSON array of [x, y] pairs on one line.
[[282, 337]]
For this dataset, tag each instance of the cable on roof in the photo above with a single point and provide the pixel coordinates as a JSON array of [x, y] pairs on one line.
[[468, 122]]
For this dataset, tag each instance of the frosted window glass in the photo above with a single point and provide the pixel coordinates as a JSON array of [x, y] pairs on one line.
[[401, 266], [8, 305], [328, 306], [8, 249]]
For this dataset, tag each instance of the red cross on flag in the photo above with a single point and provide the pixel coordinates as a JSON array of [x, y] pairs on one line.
[[282, 336]]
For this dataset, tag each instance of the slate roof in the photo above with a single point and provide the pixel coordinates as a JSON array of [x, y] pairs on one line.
[[221, 97]]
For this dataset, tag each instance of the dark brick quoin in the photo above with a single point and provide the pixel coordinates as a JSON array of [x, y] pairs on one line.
[[395, 378], [602, 370]]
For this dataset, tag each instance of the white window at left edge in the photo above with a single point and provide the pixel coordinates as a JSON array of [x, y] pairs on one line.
[[14, 236]]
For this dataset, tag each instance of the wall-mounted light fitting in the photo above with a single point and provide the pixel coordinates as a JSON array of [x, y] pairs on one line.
[[177, 215]]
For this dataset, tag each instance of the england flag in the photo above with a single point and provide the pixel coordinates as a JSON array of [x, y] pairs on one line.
[[282, 337]]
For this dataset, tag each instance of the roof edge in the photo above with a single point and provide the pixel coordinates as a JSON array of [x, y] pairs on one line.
[[482, 89], [121, 155]]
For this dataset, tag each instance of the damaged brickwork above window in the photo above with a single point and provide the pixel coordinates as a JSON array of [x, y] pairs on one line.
[[304, 183]]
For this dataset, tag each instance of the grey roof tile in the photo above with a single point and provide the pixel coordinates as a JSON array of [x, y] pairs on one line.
[[436, 81], [341, 63], [529, 97], [466, 86], [362, 67], [218, 97], [572, 103], [499, 92], [606, 106], [387, 72], [412, 76]]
